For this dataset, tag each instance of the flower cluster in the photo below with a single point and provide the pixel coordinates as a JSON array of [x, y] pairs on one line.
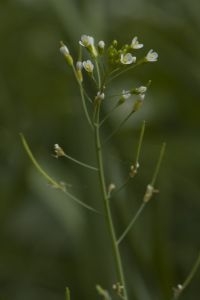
[[139, 92], [117, 58], [124, 55], [115, 55]]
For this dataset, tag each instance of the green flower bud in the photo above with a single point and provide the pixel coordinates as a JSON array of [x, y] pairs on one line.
[[65, 51]]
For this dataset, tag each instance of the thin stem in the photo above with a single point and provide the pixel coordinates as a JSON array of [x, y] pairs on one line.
[[192, 272], [119, 127], [108, 114], [140, 144], [67, 293], [157, 169], [108, 215], [83, 98], [181, 287], [126, 69], [85, 106], [88, 97], [80, 163], [112, 72], [103, 292], [53, 182], [147, 196], [136, 165], [122, 186], [98, 74], [107, 74], [128, 228]]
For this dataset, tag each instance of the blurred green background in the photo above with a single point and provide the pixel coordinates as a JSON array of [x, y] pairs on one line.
[[48, 242]]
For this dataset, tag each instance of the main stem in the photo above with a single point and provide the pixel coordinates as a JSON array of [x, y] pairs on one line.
[[108, 215]]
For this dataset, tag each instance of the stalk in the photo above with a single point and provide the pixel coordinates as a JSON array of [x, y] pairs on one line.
[[108, 215]]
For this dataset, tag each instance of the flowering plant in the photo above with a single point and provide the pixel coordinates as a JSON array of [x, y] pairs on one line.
[[102, 64]]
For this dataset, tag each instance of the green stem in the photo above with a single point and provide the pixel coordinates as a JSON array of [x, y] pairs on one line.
[[143, 204], [109, 114], [128, 228], [54, 183], [67, 294], [180, 288], [122, 186], [103, 292], [83, 98], [108, 215], [126, 69], [98, 74], [85, 106], [140, 144], [157, 169], [80, 163], [118, 127], [136, 163]]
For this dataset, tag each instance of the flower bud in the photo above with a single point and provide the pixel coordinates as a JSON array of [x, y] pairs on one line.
[[99, 97], [101, 46], [65, 51], [140, 90], [124, 96], [149, 193], [79, 67], [58, 151], [138, 103], [111, 187]]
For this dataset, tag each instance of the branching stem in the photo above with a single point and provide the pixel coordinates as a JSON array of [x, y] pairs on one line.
[[108, 215], [52, 181], [181, 287], [144, 202]]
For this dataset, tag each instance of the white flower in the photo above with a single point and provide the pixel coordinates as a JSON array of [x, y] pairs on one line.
[[127, 59], [101, 44], [126, 94], [151, 56], [64, 50], [79, 65], [86, 41], [135, 44], [100, 96], [141, 89], [88, 66], [141, 97]]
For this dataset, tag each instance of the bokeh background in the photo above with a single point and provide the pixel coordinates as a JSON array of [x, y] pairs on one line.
[[48, 242]]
